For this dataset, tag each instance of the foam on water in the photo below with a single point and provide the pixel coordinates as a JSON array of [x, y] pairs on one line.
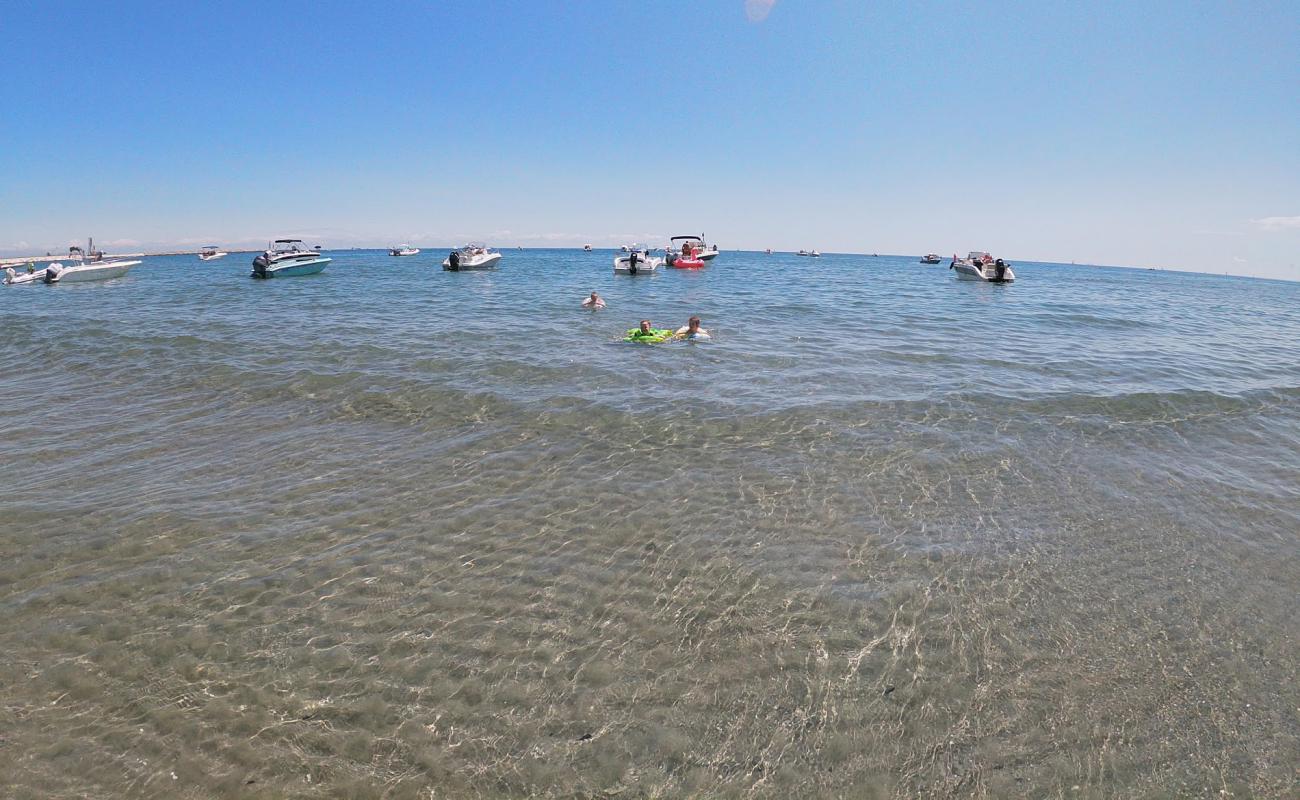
[[390, 530]]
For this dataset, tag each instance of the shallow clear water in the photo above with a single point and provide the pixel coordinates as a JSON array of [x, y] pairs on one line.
[[392, 531]]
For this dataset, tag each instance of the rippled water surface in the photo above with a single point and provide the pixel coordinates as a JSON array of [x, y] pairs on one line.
[[396, 532]]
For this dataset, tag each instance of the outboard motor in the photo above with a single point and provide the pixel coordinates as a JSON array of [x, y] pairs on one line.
[[1001, 270], [52, 273], [453, 261], [631, 263], [10, 275]]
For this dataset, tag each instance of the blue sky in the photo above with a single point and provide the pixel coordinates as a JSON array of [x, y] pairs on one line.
[[1150, 134]]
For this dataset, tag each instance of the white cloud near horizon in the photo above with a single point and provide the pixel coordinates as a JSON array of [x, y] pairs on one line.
[[757, 10], [1277, 223]]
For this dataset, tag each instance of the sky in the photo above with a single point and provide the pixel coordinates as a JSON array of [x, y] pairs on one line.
[[1163, 134]]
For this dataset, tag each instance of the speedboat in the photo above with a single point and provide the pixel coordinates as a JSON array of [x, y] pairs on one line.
[[288, 258], [15, 278], [980, 266], [638, 261], [403, 250], [690, 247], [586, 248], [810, 253], [931, 258], [211, 253], [92, 267], [474, 255]]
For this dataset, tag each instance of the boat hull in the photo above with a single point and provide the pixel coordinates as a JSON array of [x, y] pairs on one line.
[[212, 256], [988, 274], [488, 261], [95, 272], [644, 266], [294, 269]]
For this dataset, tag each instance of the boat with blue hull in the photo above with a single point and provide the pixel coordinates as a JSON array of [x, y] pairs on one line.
[[287, 258]]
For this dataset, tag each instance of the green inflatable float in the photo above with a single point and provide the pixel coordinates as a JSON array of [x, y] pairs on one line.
[[651, 336]]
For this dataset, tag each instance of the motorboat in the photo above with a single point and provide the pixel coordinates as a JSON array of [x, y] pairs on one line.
[[86, 265], [474, 255], [932, 258], [980, 266], [638, 261], [211, 253], [586, 248], [810, 253], [90, 265], [286, 258], [403, 250], [690, 247], [15, 278]]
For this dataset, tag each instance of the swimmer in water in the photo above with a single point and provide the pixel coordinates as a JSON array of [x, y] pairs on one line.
[[595, 301], [691, 330]]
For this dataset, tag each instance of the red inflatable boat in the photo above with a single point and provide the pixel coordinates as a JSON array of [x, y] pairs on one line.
[[681, 262]]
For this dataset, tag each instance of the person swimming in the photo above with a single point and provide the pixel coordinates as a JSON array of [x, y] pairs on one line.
[[645, 333], [691, 330], [595, 301]]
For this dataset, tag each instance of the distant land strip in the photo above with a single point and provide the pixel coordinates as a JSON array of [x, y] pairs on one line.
[[8, 262]]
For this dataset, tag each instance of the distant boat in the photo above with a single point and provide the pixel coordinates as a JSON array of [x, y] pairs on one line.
[[586, 248], [810, 253], [931, 258], [211, 253], [286, 258], [474, 255], [768, 251], [980, 266], [403, 250]]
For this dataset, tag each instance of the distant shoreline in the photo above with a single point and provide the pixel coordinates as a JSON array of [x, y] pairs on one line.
[[8, 262]]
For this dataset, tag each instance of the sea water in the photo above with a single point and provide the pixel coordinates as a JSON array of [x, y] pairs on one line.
[[391, 531]]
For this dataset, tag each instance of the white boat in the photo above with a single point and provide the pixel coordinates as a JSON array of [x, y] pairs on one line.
[[474, 255], [810, 253], [931, 258], [696, 244], [288, 258], [83, 268], [15, 278], [211, 253], [980, 266], [638, 261], [586, 248], [403, 250]]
